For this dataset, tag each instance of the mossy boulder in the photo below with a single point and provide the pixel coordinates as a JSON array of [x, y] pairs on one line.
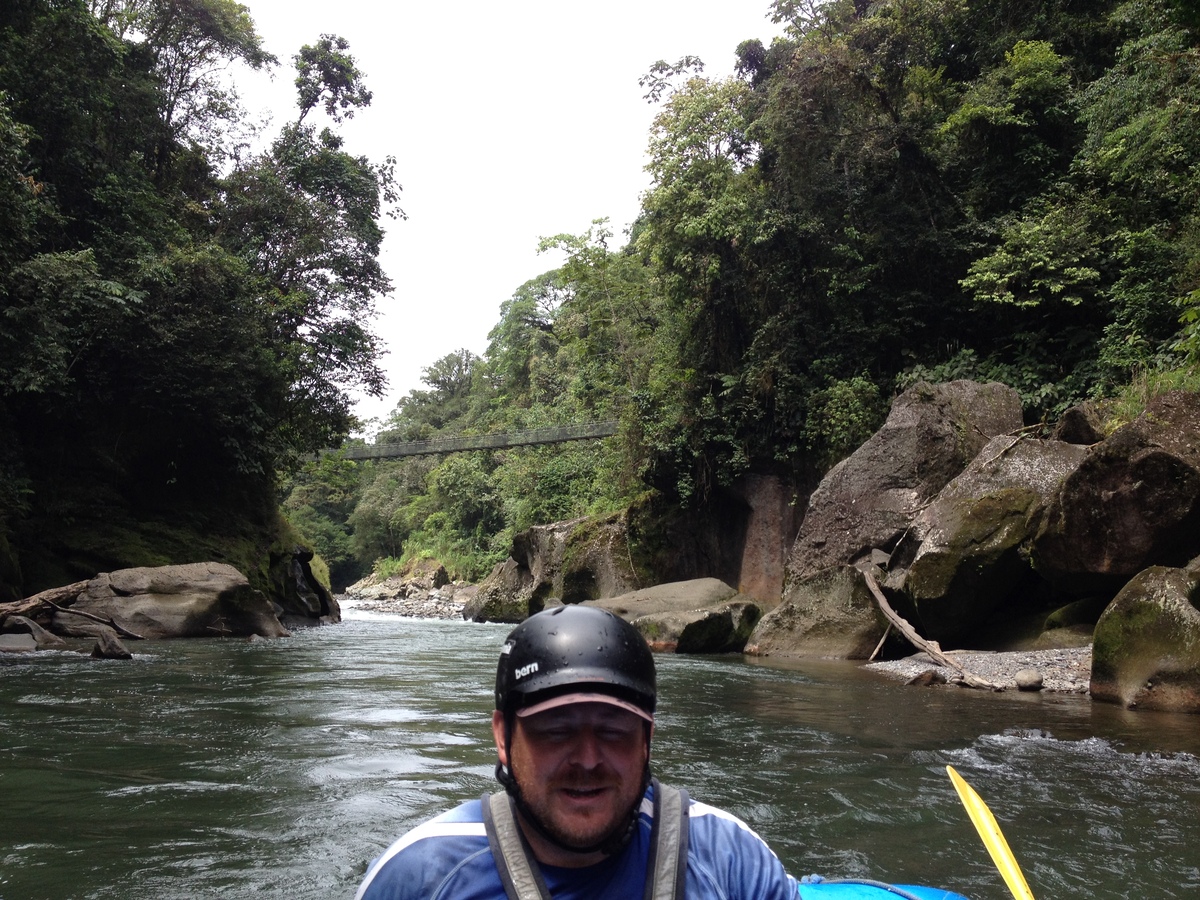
[[964, 557], [1132, 503], [724, 628], [868, 500], [830, 614], [1146, 649]]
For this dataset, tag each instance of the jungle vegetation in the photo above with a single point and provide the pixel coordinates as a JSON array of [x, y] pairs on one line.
[[894, 190], [181, 316]]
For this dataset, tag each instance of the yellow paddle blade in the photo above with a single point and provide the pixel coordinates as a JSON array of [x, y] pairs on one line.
[[993, 837]]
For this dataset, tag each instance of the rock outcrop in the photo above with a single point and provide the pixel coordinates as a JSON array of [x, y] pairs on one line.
[[1133, 502], [506, 595], [574, 561], [965, 554], [868, 500], [301, 598], [1146, 651], [831, 613], [771, 524], [1023, 549]]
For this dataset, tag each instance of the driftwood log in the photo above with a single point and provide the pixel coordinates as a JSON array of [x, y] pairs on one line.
[[931, 648], [54, 599], [31, 605], [110, 622]]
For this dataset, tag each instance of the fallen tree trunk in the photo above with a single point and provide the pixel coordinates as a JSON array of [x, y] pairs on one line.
[[110, 622], [30, 605], [931, 648]]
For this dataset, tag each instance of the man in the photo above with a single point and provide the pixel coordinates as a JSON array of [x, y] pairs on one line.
[[580, 816]]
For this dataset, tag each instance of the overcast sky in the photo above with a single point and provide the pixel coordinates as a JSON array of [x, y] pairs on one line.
[[509, 121]]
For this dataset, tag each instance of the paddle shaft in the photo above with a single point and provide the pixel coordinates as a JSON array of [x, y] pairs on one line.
[[993, 837]]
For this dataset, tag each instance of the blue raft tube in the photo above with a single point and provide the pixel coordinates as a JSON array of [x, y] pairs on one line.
[[814, 887]]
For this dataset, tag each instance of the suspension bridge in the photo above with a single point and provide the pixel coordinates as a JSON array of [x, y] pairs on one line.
[[557, 434]]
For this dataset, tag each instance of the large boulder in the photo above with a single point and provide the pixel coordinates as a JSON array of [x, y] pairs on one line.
[[503, 596], [573, 561], [1133, 502], [964, 556], [830, 614], [672, 597], [714, 629], [1146, 650], [703, 615], [868, 499], [196, 600]]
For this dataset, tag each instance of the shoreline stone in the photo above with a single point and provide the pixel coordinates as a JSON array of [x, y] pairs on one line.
[[1064, 671], [403, 597]]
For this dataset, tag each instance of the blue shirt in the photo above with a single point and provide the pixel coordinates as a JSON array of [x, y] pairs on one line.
[[448, 858]]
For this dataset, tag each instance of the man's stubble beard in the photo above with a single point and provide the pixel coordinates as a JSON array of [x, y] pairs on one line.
[[539, 803]]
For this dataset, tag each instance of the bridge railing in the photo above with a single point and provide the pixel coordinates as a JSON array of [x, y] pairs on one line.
[[557, 434]]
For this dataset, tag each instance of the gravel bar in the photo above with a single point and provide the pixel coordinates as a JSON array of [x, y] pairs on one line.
[[1066, 671]]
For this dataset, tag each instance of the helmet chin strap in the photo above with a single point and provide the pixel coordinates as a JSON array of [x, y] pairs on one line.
[[612, 843]]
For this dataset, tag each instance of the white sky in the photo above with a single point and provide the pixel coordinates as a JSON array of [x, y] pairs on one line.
[[509, 122]]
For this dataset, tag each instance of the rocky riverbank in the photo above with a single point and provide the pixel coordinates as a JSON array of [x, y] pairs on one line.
[[425, 593], [426, 605], [1066, 670]]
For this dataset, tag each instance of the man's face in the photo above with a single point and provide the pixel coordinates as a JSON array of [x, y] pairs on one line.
[[579, 768]]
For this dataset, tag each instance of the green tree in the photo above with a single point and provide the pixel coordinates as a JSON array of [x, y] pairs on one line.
[[327, 74], [305, 218], [170, 336]]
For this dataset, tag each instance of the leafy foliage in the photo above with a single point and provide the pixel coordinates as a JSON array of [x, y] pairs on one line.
[[892, 191], [177, 321]]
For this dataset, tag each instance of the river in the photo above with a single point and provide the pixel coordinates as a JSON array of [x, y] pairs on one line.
[[277, 769]]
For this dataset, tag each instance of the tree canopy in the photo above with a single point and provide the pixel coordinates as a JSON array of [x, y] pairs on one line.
[[178, 319], [891, 191]]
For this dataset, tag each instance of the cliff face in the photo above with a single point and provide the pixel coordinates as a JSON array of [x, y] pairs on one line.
[[982, 535]]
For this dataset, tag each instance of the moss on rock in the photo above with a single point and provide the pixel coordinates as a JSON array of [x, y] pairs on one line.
[[1146, 649]]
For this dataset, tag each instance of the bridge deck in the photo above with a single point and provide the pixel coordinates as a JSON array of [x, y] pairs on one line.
[[556, 435]]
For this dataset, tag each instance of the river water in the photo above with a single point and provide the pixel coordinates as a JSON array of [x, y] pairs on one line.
[[278, 769]]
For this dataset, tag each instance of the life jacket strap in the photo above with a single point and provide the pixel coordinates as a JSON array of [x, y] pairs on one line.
[[522, 878], [668, 844], [514, 859]]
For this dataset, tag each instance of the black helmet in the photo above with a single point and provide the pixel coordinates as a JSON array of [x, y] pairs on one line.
[[574, 649]]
